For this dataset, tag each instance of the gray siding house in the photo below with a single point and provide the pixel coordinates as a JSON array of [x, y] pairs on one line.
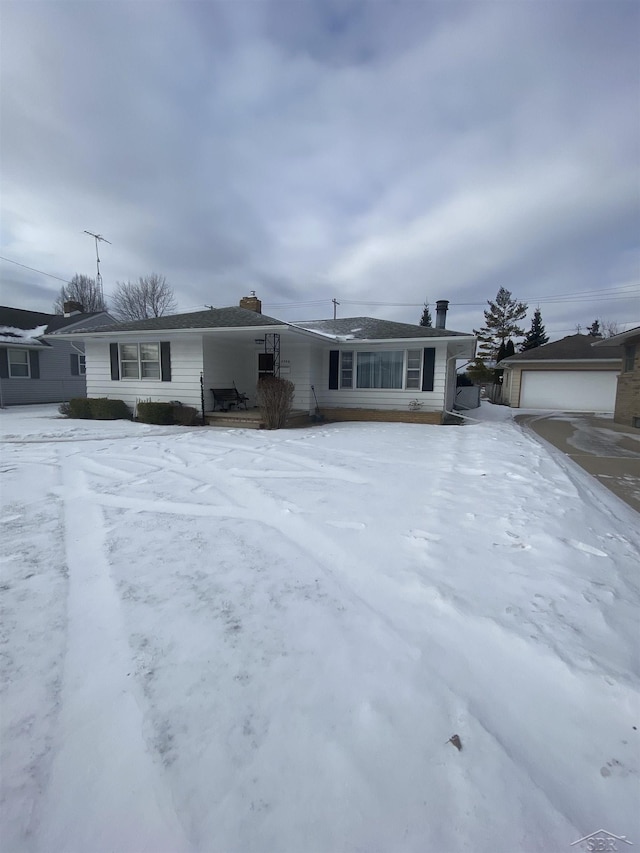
[[35, 369]]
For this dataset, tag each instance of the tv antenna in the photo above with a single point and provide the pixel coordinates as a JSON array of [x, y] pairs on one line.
[[99, 239]]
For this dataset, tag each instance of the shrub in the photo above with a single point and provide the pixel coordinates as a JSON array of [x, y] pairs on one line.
[[105, 409], [100, 408], [185, 415], [80, 407], [275, 398], [154, 413]]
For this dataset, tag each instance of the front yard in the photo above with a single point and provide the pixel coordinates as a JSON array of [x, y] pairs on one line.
[[228, 640]]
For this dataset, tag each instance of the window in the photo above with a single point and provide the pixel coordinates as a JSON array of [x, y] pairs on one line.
[[629, 357], [78, 364], [379, 369], [19, 364], [346, 370], [414, 368], [140, 361]]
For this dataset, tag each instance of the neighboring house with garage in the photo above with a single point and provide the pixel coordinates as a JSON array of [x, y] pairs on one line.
[[360, 368], [569, 375], [627, 403], [35, 368]]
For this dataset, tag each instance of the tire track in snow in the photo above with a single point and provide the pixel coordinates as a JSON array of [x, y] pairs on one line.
[[105, 792]]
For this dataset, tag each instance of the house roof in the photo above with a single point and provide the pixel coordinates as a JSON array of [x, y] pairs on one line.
[[622, 338], [571, 348], [214, 318], [19, 319], [370, 328]]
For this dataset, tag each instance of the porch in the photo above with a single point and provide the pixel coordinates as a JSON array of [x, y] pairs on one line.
[[252, 419]]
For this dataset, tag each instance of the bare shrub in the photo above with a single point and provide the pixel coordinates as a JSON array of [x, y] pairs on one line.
[[275, 398]]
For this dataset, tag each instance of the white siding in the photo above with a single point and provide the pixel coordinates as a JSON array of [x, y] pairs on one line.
[[384, 398], [228, 361], [186, 364]]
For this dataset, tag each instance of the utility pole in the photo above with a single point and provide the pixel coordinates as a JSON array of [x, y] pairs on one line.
[[101, 239], [335, 307]]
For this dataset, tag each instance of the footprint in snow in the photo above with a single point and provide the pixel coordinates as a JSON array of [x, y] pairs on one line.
[[586, 549], [348, 525], [422, 536]]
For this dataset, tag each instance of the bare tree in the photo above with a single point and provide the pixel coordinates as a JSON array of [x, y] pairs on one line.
[[150, 296], [84, 291], [609, 328]]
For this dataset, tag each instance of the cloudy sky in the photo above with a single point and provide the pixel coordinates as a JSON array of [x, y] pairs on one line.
[[379, 152]]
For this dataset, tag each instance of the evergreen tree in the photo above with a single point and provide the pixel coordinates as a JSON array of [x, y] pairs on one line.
[[509, 349], [594, 329], [536, 336], [501, 323], [425, 320], [479, 373], [502, 353]]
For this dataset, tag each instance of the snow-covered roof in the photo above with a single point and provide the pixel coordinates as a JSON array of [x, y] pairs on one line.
[[13, 335]]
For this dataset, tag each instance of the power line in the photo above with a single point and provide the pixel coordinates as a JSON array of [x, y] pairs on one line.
[[33, 269], [616, 293]]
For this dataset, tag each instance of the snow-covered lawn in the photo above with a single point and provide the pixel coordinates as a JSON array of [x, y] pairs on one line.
[[223, 640]]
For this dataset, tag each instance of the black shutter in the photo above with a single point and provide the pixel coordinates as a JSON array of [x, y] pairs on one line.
[[34, 363], [428, 368], [334, 363], [4, 364], [165, 361], [115, 363], [75, 364]]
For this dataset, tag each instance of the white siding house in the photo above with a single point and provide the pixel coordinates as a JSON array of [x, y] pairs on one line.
[[358, 367]]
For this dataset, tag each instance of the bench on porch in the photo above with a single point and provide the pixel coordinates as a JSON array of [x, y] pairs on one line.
[[228, 397]]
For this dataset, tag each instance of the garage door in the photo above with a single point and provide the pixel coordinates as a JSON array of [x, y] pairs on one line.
[[569, 390]]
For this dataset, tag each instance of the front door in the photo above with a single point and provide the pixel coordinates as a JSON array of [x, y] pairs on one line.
[[266, 363]]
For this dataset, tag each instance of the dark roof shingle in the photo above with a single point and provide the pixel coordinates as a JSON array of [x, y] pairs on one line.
[[371, 329], [214, 318], [571, 348], [18, 318]]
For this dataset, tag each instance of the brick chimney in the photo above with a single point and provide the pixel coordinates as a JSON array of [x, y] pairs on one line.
[[251, 303], [72, 307], [442, 306]]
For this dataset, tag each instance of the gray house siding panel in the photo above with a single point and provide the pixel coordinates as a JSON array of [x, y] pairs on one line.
[[55, 384]]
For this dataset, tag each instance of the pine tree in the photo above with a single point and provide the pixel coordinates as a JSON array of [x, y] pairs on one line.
[[509, 349], [501, 323], [536, 336], [594, 329], [425, 320]]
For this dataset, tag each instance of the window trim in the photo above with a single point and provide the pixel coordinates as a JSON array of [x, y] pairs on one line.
[[629, 358], [139, 362], [353, 369], [9, 365]]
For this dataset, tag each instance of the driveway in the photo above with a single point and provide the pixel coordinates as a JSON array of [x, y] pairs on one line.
[[608, 451]]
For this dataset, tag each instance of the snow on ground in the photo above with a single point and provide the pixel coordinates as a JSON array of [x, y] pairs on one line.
[[227, 640]]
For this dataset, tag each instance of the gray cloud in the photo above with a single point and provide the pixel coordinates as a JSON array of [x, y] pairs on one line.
[[383, 152]]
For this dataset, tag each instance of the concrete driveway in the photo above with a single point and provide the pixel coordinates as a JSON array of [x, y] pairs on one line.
[[608, 451]]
